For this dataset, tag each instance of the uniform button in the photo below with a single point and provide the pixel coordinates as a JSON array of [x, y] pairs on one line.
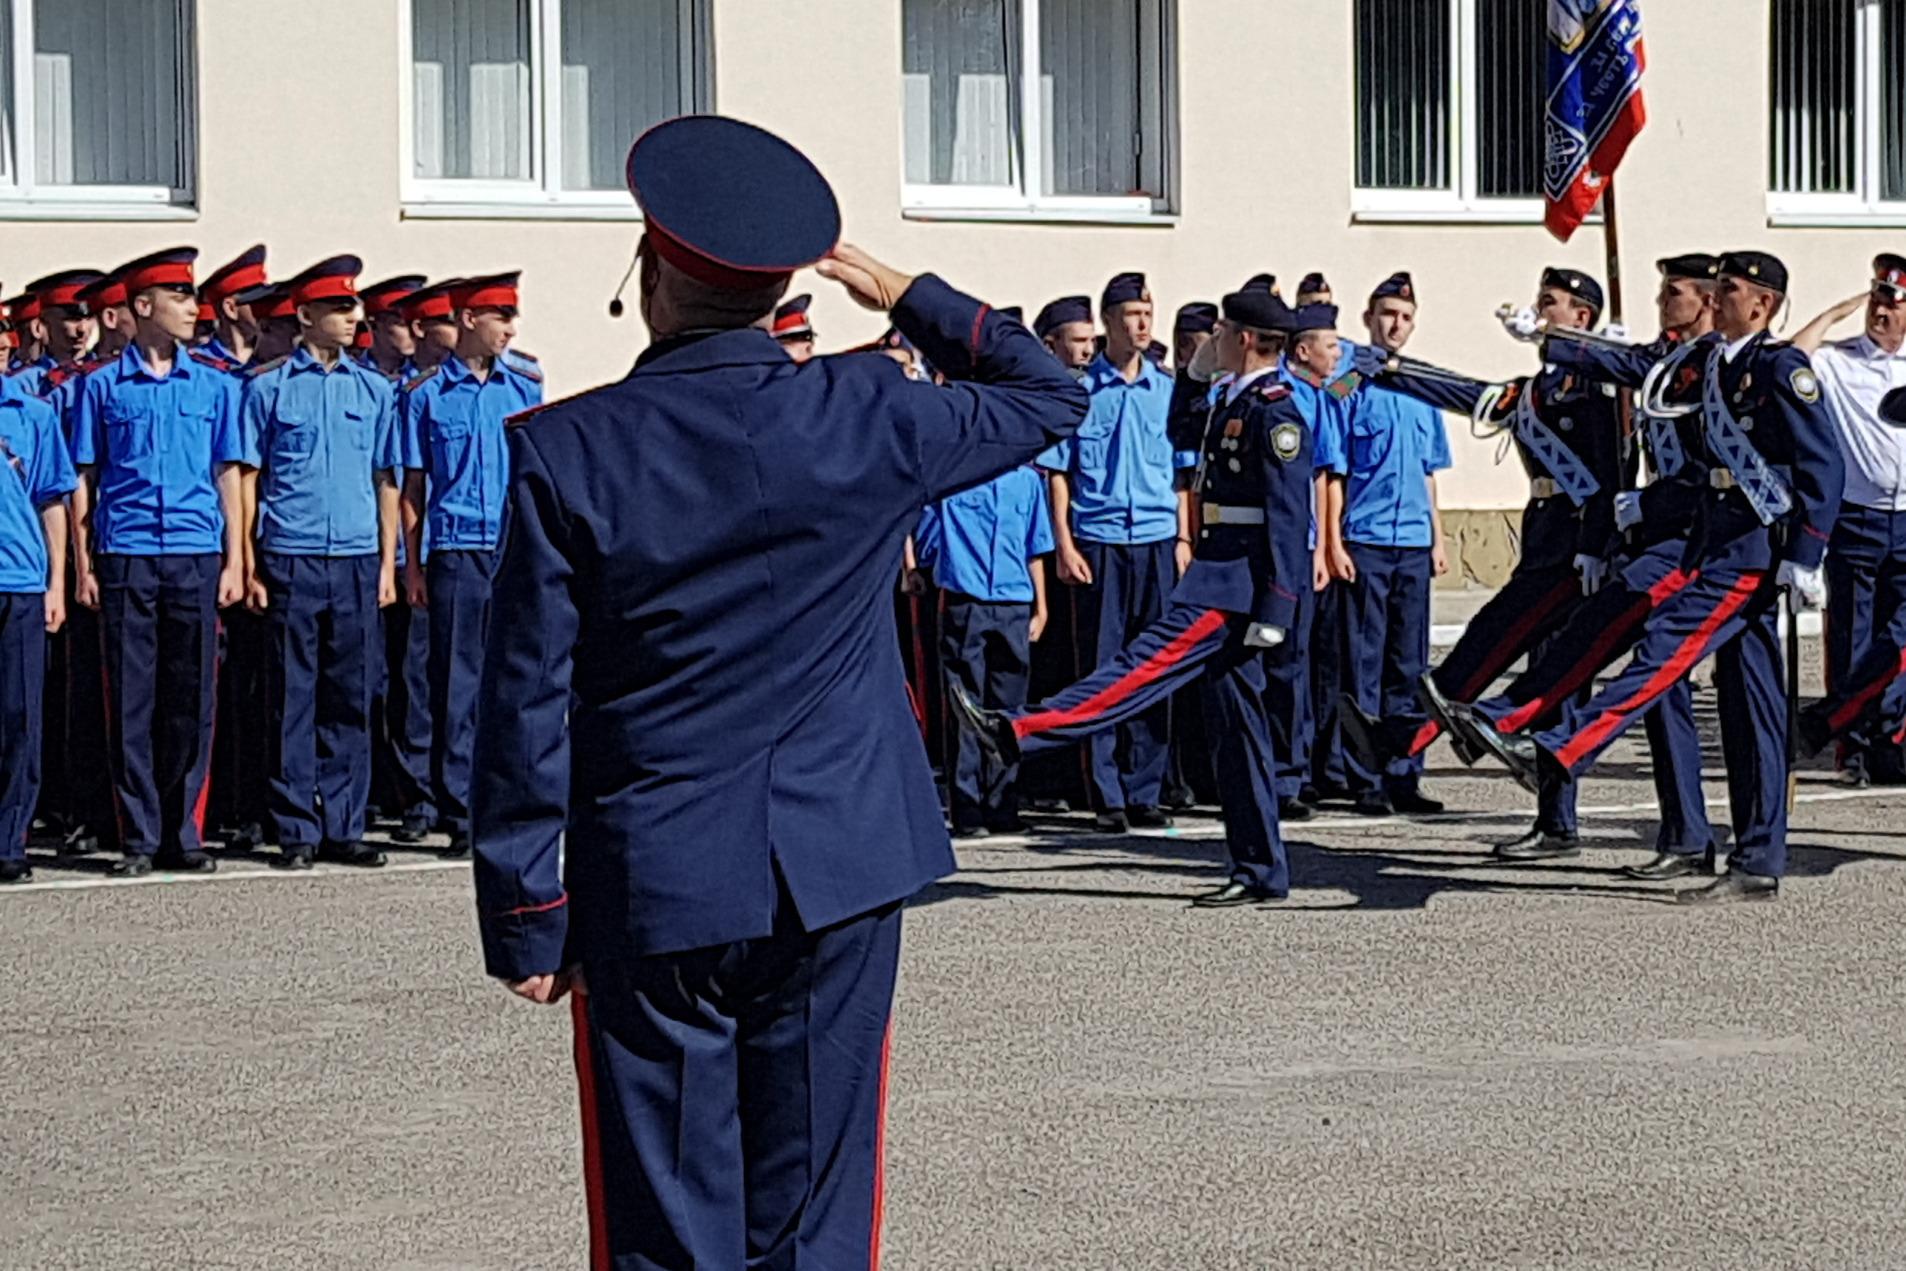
[[1204, 533]]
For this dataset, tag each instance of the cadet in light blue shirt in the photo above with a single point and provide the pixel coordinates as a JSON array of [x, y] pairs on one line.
[[65, 322], [1387, 543], [35, 476], [457, 471], [1122, 537], [159, 548]]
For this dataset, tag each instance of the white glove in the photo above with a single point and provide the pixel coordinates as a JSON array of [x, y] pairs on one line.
[[1809, 586], [1594, 572], [1262, 635], [1627, 509], [1618, 331], [1520, 323]]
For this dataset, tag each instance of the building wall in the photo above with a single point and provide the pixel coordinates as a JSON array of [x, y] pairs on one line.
[[1265, 158]]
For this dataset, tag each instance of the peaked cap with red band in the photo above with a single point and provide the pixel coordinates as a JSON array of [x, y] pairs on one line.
[[334, 278], [1889, 271], [429, 302], [62, 290], [23, 308], [108, 292], [791, 320], [491, 291], [388, 296], [247, 269], [729, 204], [169, 268], [268, 301]]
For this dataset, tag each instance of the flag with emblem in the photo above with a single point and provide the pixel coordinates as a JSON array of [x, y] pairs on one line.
[[1595, 106]]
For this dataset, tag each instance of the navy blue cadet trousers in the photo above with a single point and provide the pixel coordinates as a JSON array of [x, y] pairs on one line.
[[984, 645], [1866, 611], [22, 682], [459, 587], [1131, 585], [400, 723], [1387, 626]]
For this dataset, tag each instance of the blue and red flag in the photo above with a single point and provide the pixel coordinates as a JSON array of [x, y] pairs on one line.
[[1594, 104]]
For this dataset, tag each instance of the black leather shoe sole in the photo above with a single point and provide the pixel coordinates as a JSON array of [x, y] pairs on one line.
[[1666, 866], [1461, 739]]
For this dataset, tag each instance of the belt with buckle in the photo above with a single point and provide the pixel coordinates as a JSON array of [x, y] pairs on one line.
[[1544, 487], [1722, 478], [1218, 514]]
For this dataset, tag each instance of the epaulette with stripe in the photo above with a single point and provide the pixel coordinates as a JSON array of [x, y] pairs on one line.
[[216, 362], [421, 380], [1345, 385], [1272, 390], [524, 364], [259, 368], [522, 417]]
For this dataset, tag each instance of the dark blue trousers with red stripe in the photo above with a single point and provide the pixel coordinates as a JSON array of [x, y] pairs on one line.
[[22, 681], [733, 1099], [1865, 628], [1187, 641], [1861, 698]]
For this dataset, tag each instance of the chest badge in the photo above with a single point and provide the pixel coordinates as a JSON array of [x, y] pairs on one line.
[[1286, 441], [1806, 385], [1234, 427]]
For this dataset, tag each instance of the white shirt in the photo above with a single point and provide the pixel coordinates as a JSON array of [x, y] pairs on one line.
[[1239, 383], [1854, 375]]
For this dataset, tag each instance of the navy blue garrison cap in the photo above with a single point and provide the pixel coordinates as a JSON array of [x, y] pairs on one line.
[[1313, 317], [1312, 284], [1123, 289], [1266, 281], [1060, 312], [1157, 353], [1577, 284], [1258, 306], [1699, 266], [730, 204], [1397, 284], [1760, 268], [1199, 315]]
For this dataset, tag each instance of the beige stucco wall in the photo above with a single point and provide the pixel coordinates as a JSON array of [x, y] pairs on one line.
[[299, 146]]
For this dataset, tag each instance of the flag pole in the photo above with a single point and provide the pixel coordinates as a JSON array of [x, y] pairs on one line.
[[1611, 251]]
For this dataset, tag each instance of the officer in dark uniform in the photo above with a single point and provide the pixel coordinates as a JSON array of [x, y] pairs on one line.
[[1237, 599], [792, 329], [1567, 432], [697, 782], [1775, 477]]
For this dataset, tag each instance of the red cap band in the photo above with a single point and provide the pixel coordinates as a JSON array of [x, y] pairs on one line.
[[437, 306], [497, 296], [230, 284], [278, 305], [207, 313], [328, 287], [165, 273], [27, 308], [66, 293], [706, 269], [792, 322]]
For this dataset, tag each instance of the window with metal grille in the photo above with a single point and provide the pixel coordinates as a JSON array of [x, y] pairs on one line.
[[1092, 132], [528, 102], [97, 103], [1449, 103], [1837, 116]]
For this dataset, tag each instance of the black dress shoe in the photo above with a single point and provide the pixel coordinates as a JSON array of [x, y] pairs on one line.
[[294, 859], [1441, 710], [133, 866], [1855, 778], [188, 863], [1294, 809], [1232, 895], [971, 832], [992, 729], [79, 841], [1518, 752], [246, 838], [1813, 729], [1141, 817], [459, 848], [1362, 733], [1731, 887], [1007, 825], [1539, 845], [15, 870], [413, 830], [1666, 865], [1415, 803], [1112, 822], [356, 855], [1374, 803]]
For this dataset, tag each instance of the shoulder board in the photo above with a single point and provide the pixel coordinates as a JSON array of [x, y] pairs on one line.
[[213, 360], [421, 380], [1273, 390], [58, 376], [1346, 384], [529, 370], [525, 354], [259, 368]]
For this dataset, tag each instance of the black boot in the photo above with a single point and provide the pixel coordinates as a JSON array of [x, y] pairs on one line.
[[1294, 809], [1141, 817], [135, 865], [1411, 801]]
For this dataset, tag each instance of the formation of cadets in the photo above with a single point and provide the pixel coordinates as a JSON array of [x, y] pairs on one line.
[[254, 533], [245, 555]]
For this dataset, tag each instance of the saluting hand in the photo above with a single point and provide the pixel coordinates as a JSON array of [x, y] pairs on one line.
[[871, 284]]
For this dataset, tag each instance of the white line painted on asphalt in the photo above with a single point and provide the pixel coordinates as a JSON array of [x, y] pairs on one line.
[[251, 872]]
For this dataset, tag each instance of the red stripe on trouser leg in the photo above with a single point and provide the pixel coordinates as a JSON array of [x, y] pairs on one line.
[[1505, 651], [880, 1152], [211, 746], [599, 1256], [1210, 621], [1597, 655], [1670, 673], [1851, 709]]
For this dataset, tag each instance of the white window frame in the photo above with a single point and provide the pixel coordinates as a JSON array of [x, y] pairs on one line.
[[1864, 206], [542, 194], [23, 199], [1022, 202], [1463, 203]]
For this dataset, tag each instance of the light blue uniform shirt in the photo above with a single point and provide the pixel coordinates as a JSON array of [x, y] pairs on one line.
[[1385, 444], [1121, 461], [158, 442], [453, 433], [319, 439], [31, 376], [981, 542], [34, 471]]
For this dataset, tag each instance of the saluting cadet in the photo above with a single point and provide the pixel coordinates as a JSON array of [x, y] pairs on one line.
[[699, 784], [1065, 327], [1866, 563], [1122, 536], [33, 486], [985, 548], [1567, 432], [391, 344], [792, 329], [1387, 544], [1775, 477], [63, 326], [234, 338], [457, 471], [1237, 599], [321, 457], [159, 547]]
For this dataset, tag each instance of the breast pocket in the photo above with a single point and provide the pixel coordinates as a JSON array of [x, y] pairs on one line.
[[129, 432], [297, 437], [1369, 444], [1094, 450], [357, 430]]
